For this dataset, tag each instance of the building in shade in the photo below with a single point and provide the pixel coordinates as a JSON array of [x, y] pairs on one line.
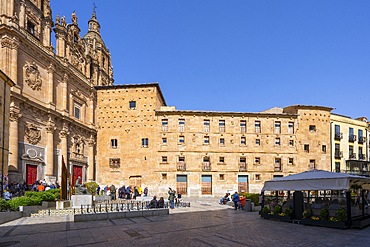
[[53, 100], [5, 84]]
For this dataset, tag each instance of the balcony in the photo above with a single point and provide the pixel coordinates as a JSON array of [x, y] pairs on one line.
[[352, 138], [352, 156], [278, 167], [338, 136], [222, 128], [361, 157], [338, 154], [181, 166], [164, 128], [361, 139], [242, 166], [206, 166]]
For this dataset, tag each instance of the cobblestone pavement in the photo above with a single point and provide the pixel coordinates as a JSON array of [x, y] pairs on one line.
[[203, 224]]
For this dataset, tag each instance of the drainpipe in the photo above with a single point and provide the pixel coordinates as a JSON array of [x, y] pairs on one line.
[[331, 146]]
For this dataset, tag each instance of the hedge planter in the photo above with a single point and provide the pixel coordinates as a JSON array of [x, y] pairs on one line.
[[325, 223], [276, 217]]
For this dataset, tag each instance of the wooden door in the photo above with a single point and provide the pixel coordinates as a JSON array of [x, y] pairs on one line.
[[243, 183], [77, 172], [135, 181], [31, 174], [182, 184], [206, 184]]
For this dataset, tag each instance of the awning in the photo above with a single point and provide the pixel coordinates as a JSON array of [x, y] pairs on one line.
[[315, 180]]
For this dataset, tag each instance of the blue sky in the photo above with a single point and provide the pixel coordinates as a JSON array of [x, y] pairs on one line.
[[239, 55]]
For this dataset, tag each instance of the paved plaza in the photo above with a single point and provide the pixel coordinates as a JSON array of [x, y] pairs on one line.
[[203, 224]]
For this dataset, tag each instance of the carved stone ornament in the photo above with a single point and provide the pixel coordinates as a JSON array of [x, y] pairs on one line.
[[15, 113], [33, 78], [65, 131], [33, 133], [50, 127]]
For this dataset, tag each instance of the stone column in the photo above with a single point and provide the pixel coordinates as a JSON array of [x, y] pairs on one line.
[[63, 134], [50, 127], [91, 167], [9, 53], [50, 94], [65, 93], [13, 136]]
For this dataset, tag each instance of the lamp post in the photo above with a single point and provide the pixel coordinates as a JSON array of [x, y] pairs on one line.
[[3, 143]]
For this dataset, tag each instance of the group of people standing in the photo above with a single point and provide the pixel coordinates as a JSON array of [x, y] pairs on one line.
[[124, 192]]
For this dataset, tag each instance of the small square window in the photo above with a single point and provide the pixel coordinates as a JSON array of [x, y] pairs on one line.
[[291, 143], [257, 160], [181, 139], [277, 141], [221, 160], [257, 177], [306, 148], [164, 176], [145, 142], [222, 176], [113, 143], [164, 159], [243, 141], [164, 140], [290, 161], [258, 142], [114, 163], [181, 158], [206, 140], [132, 105], [312, 128], [222, 141], [323, 148]]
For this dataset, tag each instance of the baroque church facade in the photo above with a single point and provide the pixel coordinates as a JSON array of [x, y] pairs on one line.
[[53, 101]]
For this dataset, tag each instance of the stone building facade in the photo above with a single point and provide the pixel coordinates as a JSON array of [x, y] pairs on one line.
[[5, 84], [143, 142], [53, 101]]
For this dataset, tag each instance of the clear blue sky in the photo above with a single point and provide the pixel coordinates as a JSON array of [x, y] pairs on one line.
[[240, 55]]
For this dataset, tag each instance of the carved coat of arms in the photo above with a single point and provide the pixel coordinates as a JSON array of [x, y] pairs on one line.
[[33, 78], [33, 134]]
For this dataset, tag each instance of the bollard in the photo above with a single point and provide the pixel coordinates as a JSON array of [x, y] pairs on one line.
[[82, 210], [49, 212]]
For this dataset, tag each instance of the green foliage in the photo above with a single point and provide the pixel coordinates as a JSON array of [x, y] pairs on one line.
[[277, 210], [265, 210], [307, 214], [91, 187], [49, 195], [341, 215], [324, 214], [24, 201], [252, 196], [288, 212], [4, 205]]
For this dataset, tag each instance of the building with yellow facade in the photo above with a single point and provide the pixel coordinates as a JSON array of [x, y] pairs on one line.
[[143, 142], [350, 149]]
